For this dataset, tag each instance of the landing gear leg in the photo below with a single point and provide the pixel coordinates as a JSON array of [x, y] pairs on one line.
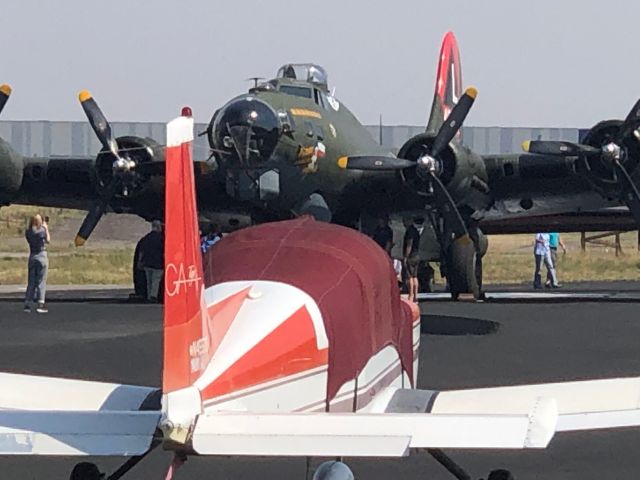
[[452, 467], [459, 473], [89, 471], [459, 260]]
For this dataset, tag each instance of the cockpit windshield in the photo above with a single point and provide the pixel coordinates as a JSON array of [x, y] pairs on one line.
[[305, 71]]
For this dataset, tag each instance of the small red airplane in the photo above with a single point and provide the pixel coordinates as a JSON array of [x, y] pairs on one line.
[[289, 339]]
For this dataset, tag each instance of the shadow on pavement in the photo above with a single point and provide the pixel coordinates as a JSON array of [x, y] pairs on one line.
[[453, 325]]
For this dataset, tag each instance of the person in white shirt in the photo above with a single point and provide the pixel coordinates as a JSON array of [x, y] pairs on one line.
[[542, 253]]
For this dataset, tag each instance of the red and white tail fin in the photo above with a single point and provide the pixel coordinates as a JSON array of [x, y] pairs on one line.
[[186, 351], [448, 83]]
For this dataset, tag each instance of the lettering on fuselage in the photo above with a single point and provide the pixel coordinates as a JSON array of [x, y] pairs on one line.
[[177, 277], [198, 351], [305, 112]]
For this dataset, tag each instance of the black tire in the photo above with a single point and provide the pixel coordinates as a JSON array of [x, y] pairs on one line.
[[500, 475], [426, 281], [85, 471], [461, 268]]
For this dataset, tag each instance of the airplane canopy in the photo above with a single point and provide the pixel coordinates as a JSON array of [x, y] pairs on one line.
[[308, 72]]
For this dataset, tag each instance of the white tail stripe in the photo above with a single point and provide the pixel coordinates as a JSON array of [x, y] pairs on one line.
[[179, 131]]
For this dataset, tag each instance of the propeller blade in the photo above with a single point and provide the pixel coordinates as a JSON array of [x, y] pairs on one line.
[[553, 147], [631, 196], [95, 213], [447, 208], [5, 93], [454, 121], [372, 162], [631, 123], [98, 122], [90, 221]]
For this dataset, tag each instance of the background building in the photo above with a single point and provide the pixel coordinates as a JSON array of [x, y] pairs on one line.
[[43, 138]]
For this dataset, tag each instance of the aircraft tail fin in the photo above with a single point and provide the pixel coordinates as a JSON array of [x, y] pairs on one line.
[[185, 319], [448, 84]]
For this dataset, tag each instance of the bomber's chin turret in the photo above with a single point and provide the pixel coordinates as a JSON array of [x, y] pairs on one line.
[[244, 133]]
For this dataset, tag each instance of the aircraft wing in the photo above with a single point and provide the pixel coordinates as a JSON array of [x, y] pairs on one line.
[[369, 434], [55, 416], [582, 405], [502, 417]]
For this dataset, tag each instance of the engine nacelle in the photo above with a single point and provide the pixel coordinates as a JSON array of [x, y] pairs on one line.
[[11, 172], [420, 145], [599, 169], [147, 158], [461, 171]]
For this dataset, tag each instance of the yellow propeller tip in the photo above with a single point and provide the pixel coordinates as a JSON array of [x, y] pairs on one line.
[[342, 162], [472, 92], [79, 241], [6, 89], [525, 145], [84, 95]]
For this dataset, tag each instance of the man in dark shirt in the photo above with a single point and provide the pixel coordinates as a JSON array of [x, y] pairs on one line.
[[383, 234], [151, 259], [411, 257]]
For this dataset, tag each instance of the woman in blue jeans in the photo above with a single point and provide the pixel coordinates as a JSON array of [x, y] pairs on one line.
[[37, 235]]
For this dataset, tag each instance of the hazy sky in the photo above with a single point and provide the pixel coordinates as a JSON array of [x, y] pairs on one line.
[[542, 63]]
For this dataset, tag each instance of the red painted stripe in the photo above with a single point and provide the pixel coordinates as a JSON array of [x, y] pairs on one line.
[[291, 348]]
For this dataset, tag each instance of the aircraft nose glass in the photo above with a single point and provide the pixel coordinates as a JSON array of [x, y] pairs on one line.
[[248, 130]]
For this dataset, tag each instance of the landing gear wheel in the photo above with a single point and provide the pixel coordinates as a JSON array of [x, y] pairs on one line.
[[461, 268], [500, 475], [426, 277], [85, 471]]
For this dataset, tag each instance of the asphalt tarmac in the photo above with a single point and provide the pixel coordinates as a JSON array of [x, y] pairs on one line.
[[511, 339]]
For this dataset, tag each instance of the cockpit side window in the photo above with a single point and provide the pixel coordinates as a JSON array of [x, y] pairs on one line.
[[295, 90], [319, 98]]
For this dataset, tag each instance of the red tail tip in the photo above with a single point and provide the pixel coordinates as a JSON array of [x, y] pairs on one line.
[[186, 112]]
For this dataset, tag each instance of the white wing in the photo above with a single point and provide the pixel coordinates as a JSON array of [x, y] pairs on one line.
[[582, 405], [369, 434], [54, 416]]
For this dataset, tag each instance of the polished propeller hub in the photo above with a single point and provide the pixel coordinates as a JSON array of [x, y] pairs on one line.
[[429, 164], [123, 165], [611, 152]]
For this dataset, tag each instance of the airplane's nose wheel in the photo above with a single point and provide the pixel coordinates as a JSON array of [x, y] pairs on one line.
[[86, 471], [500, 475]]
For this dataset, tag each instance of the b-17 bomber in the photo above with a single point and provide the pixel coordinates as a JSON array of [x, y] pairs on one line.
[[288, 147]]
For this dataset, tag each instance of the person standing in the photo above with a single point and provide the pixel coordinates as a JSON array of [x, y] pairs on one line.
[[212, 237], [151, 259], [411, 257], [554, 242], [542, 253], [37, 235], [383, 234]]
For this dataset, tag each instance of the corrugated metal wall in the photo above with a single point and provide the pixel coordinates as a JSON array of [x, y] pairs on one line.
[[41, 138]]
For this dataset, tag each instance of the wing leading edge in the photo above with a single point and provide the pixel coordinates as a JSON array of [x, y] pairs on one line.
[[582, 405], [57, 416]]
